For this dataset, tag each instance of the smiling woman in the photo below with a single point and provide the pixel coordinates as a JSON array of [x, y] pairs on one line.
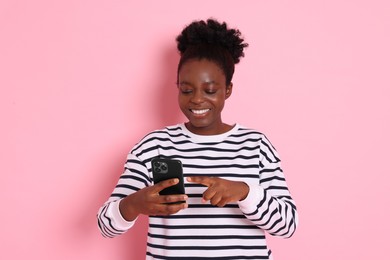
[[235, 187], [202, 95]]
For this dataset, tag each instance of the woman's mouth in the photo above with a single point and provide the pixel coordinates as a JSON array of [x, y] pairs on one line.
[[199, 111]]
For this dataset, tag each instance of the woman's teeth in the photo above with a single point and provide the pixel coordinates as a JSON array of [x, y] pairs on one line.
[[199, 112]]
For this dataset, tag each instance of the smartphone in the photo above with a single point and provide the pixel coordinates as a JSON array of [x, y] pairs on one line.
[[164, 169]]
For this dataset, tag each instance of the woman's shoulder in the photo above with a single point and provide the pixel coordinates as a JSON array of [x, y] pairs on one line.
[[249, 131], [167, 133], [253, 134]]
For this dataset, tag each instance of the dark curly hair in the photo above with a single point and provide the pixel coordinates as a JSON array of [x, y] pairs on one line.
[[213, 41]]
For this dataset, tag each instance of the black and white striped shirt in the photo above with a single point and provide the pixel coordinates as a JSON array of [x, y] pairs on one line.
[[204, 231]]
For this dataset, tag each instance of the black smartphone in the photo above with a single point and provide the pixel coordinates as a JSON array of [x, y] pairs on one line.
[[164, 169]]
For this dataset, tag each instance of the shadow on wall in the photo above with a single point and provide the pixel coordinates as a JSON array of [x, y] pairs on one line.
[[166, 104], [132, 245], [166, 112]]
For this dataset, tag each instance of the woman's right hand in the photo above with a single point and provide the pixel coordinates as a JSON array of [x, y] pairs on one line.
[[148, 201]]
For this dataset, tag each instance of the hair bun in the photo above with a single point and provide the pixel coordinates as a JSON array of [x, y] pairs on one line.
[[214, 33]]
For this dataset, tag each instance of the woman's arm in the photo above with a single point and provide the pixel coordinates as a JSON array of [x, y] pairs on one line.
[[269, 204], [133, 195]]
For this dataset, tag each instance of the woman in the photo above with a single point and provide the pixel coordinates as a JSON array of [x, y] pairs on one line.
[[235, 188]]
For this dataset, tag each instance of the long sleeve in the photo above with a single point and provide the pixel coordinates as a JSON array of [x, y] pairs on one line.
[[269, 204], [135, 177], [203, 230]]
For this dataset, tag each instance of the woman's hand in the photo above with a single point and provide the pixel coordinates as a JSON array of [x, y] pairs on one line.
[[220, 191], [148, 201]]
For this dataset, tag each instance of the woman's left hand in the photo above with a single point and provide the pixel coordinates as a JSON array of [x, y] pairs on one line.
[[221, 191]]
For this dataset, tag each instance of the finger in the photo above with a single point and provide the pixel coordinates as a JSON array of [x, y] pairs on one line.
[[222, 203], [168, 209], [216, 199], [174, 208], [208, 194], [204, 180], [165, 184], [163, 199]]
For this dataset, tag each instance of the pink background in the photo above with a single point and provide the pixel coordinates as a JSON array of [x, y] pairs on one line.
[[82, 81]]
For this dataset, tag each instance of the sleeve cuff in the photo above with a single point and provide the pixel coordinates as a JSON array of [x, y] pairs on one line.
[[255, 195], [118, 221]]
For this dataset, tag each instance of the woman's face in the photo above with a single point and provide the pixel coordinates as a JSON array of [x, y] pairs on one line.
[[202, 94]]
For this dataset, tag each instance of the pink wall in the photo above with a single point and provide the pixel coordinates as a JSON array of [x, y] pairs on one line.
[[82, 81]]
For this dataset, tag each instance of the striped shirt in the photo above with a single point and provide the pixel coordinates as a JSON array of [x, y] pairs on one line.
[[204, 231]]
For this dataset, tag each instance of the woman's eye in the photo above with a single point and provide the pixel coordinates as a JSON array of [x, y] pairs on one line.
[[186, 91], [210, 91]]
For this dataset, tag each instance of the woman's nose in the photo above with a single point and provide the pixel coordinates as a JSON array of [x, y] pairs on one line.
[[197, 97]]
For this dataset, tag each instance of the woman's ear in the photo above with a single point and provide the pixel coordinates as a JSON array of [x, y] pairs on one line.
[[229, 90]]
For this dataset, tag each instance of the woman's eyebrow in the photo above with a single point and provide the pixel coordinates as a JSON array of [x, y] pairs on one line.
[[184, 82], [209, 82]]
